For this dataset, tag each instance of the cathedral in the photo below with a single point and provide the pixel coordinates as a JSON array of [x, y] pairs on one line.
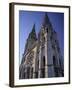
[[42, 56]]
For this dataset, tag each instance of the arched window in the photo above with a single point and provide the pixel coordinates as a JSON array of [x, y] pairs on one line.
[[54, 61], [44, 39], [55, 67], [47, 30], [60, 62], [31, 72], [38, 64], [28, 72], [61, 67], [43, 67], [24, 73], [36, 73]]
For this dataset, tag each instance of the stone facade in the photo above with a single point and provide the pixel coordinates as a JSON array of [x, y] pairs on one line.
[[42, 57]]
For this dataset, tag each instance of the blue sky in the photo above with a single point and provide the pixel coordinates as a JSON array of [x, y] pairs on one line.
[[28, 18]]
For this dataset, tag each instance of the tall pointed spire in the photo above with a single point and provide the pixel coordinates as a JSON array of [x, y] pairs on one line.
[[46, 20], [33, 33], [31, 39]]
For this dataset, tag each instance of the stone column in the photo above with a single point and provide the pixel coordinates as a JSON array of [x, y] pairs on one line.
[[39, 72], [57, 61], [34, 66], [46, 57], [49, 57]]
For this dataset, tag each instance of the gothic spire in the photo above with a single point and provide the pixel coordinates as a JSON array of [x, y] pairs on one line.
[[31, 39], [32, 35], [46, 20]]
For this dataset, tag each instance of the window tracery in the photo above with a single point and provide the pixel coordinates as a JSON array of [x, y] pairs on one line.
[[30, 58]]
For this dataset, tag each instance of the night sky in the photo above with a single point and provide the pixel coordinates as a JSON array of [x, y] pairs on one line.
[[28, 18]]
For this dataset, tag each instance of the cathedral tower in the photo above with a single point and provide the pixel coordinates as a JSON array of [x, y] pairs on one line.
[[42, 57], [50, 55]]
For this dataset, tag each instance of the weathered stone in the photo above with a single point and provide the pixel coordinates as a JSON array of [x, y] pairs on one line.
[[42, 57]]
